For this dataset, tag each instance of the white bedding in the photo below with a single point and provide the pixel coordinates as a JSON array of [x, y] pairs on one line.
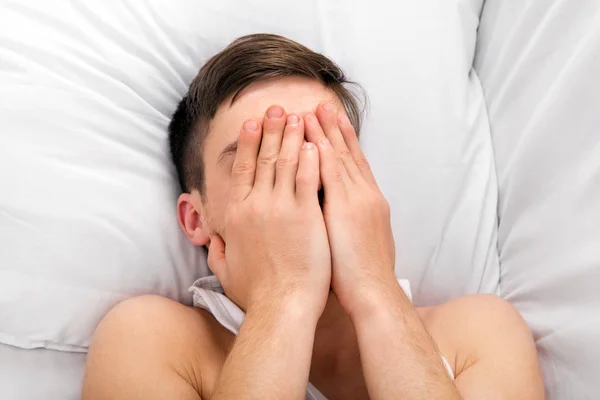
[[40, 374], [539, 63], [88, 192], [86, 90]]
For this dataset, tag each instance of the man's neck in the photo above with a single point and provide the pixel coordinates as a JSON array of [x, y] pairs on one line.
[[336, 370]]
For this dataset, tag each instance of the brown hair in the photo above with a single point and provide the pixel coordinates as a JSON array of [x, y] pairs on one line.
[[247, 60]]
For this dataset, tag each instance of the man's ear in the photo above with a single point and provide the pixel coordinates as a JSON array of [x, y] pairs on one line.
[[189, 214]]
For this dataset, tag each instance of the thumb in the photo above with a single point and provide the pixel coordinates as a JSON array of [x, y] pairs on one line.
[[216, 257]]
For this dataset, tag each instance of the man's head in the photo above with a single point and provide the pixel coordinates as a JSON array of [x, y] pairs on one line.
[[239, 83]]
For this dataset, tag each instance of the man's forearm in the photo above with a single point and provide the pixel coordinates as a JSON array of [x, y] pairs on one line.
[[399, 358], [271, 356]]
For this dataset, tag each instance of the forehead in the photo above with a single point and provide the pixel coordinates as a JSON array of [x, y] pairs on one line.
[[299, 95]]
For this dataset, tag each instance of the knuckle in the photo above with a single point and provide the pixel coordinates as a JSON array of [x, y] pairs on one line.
[[294, 129], [336, 176], [345, 153], [373, 201], [287, 161], [379, 203], [242, 168], [362, 162], [268, 158], [385, 207]]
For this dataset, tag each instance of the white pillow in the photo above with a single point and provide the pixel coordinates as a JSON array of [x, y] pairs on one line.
[[542, 81], [87, 208]]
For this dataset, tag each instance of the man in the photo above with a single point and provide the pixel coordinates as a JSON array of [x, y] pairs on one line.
[[316, 281]]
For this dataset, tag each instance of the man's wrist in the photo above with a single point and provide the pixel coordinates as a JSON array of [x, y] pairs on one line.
[[377, 298], [289, 310]]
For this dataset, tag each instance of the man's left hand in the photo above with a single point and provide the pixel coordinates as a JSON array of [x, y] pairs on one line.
[[356, 213]]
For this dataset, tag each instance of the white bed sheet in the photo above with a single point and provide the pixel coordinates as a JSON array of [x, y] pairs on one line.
[[86, 91], [539, 64], [40, 374]]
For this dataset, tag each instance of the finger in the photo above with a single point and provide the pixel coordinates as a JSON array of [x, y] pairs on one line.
[[307, 177], [351, 140], [273, 126], [312, 129], [216, 257], [327, 115], [333, 174], [244, 165], [287, 163]]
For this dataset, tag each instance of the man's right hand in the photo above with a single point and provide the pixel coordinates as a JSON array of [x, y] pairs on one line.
[[276, 250]]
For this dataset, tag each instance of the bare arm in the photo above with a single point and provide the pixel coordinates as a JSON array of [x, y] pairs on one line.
[[496, 355], [271, 356], [399, 357]]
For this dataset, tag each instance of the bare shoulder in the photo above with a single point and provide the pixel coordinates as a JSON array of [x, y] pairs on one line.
[[474, 314], [488, 343], [152, 347]]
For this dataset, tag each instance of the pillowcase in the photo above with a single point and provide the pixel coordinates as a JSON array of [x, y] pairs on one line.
[[543, 92], [87, 205]]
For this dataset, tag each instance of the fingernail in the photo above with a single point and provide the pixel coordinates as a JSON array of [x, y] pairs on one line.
[[292, 119], [311, 118], [250, 125], [324, 142], [343, 120], [308, 146], [275, 112], [329, 107]]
